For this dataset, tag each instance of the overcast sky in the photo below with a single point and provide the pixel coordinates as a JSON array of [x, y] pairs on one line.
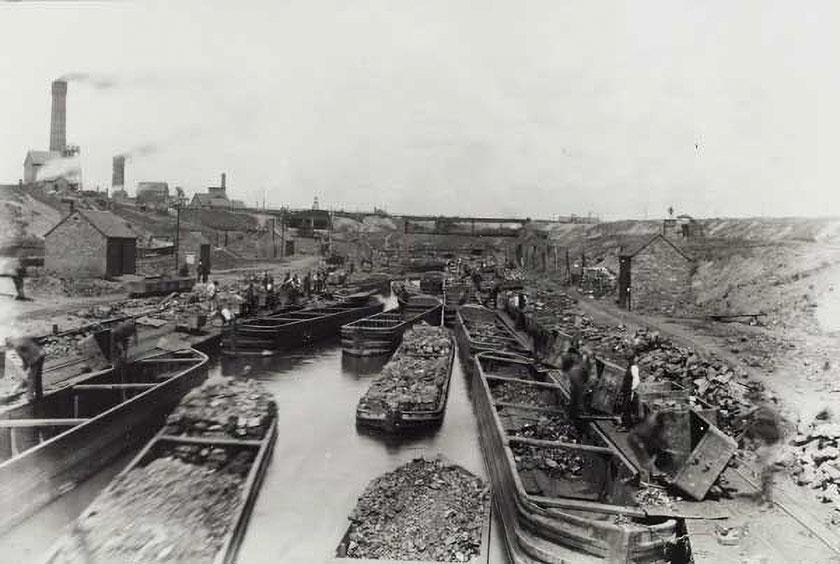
[[532, 108]]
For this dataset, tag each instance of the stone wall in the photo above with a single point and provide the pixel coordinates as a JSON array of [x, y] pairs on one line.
[[660, 280], [75, 248]]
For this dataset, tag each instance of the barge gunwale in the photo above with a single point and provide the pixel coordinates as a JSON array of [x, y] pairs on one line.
[[539, 531], [44, 472], [380, 334], [250, 490]]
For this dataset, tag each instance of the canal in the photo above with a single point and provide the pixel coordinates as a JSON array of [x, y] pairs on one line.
[[320, 464]]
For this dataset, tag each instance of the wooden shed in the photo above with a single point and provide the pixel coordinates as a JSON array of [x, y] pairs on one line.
[[88, 243]]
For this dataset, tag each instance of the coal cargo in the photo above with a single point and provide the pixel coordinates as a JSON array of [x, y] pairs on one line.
[[425, 510], [411, 391], [188, 495]]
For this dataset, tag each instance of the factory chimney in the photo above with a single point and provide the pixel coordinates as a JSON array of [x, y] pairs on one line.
[[58, 121], [224, 179], [118, 172]]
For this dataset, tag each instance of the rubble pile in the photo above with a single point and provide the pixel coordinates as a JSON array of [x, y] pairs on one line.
[[167, 511], [653, 496], [815, 462], [62, 347], [73, 287], [710, 379], [415, 378], [425, 510], [224, 407], [514, 275]]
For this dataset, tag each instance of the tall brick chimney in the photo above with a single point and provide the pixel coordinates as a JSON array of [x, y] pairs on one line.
[[118, 172], [224, 181], [58, 121]]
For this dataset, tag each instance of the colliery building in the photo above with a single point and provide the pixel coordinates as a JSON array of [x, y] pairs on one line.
[[655, 277], [152, 192], [89, 243]]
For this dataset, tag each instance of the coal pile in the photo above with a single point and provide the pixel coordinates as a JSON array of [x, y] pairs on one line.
[[224, 408], [522, 394], [425, 339], [553, 427], [425, 510], [167, 511], [555, 463], [407, 383], [416, 377]]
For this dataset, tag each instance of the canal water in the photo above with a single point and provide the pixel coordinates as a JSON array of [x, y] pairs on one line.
[[320, 463]]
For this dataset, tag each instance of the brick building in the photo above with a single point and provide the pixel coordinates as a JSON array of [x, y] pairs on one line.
[[91, 243], [655, 277]]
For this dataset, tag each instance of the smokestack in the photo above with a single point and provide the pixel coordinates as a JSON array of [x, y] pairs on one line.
[[58, 122], [118, 172], [224, 178]]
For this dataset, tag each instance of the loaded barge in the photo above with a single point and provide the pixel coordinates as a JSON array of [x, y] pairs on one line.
[[563, 492], [188, 495], [380, 334], [410, 394], [81, 426]]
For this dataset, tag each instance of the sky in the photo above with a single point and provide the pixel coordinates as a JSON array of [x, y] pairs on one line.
[[527, 109]]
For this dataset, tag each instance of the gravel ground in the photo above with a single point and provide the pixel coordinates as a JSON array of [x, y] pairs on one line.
[[424, 510]]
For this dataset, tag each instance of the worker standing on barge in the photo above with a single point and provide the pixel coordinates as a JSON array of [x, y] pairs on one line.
[[32, 358], [647, 441]]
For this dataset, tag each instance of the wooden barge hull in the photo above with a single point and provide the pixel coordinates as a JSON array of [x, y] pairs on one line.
[[250, 491], [381, 334], [557, 529], [272, 334], [407, 421], [95, 428], [503, 340]]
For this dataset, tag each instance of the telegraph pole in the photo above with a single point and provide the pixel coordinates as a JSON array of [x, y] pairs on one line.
[[177, 232]]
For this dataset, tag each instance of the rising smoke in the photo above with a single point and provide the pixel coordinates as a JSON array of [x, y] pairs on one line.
[[142, 150], [98, 81]]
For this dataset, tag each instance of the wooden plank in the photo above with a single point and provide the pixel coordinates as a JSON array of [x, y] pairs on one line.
[[210, 441], [17, 423], [530, 407], [131, 386], [562, 444], [549, 385], [578, 505]]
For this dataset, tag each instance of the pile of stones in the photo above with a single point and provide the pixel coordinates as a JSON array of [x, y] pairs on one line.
[[426, 510], [224, 407], [167, 511]]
